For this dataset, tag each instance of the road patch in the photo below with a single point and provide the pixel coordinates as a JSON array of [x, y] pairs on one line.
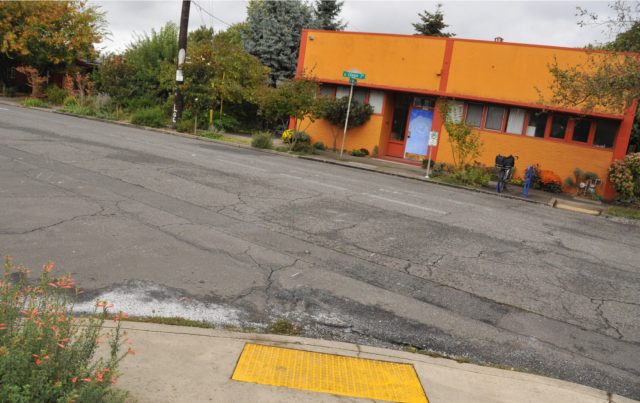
[[329, 373]]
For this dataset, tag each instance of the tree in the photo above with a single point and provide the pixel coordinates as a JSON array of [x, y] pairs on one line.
[[606, 79], [465, 141], [153, 58], [294, 98], [334, 111], [326, 13], [221, 70], [114, 79], [432, 24], [46, 34], [273, 32]]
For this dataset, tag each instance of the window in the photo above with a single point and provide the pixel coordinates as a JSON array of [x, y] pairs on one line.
[[495, 116], [328, 91], [581, 130], [515, 122], [537, 124], [375, 100], [359, 94], [456, 110], [605, 133], [342, 91], [474, 115], [424, 103], [559, 126]]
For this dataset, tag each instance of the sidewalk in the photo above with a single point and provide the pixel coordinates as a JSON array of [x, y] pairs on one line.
[[185, 364]]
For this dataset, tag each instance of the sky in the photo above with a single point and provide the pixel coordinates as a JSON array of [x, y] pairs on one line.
[[535, 22]]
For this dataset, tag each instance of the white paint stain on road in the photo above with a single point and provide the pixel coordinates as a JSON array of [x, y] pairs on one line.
[[415, 206]]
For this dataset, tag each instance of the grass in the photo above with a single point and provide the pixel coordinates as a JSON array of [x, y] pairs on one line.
[[171, 320], [625, 212], [283, 326], [33, 103], [235, 140]]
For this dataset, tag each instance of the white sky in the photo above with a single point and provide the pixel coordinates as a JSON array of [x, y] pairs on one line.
[[538, 22]]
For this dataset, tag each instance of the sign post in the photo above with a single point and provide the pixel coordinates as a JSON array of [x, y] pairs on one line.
[[353, 77], [433, 141]]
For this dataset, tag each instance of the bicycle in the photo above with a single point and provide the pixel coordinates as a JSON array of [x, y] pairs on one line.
[[505, 166]]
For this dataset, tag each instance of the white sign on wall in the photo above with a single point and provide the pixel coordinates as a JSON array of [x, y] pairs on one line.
[[433, 139]]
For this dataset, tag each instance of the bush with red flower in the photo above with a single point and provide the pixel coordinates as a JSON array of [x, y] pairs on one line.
[[550, 181], [46, 353]]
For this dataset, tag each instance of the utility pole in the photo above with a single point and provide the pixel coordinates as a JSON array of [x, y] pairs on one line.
[[178, 103]]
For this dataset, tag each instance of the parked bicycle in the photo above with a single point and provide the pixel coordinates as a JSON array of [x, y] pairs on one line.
[[504, 167]]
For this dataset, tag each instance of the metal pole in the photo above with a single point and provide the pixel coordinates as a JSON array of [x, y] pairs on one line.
[[346, 121], [429, 162], [178, 104]]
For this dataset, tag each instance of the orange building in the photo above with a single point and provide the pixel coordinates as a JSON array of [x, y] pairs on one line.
[[495, 87]]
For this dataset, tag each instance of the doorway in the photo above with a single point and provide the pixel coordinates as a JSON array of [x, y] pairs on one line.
[[410, 125], [397, 136]]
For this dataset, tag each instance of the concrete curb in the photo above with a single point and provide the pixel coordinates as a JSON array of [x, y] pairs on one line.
[[190, 350], [421, 179]]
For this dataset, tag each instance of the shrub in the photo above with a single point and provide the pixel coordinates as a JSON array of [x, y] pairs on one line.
[[10, 92], [69, 100], [227, 123], [46, 354], [550, 182], [319, 145], [55, 95], [624, 175], [375, 151], [301, 142], [286, 136], [357, 153], [33, 103], [152, 117], [474, 175], [283, 149], [262, 140], [79, 110], [185, 125]]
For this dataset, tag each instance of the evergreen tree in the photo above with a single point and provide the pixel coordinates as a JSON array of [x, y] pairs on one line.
[[273, 32], [327, 13], [432, 24]]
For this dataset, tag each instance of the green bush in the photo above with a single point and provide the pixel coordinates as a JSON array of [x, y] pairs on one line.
[[474, 175], [79, 110], [185, 125], [55, 94], [10, 92], [227, 123], [262, 140], [358, 153], [69, 101], [46, 353], [282, 149], [319, 145], [33, 103], [624, 175], [151, 117]]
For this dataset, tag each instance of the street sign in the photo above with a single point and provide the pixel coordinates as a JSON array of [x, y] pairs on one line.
[[433, 139], [353, 81], [353, 74]]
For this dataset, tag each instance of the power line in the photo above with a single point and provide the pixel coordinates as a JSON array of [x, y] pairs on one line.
[[202, 9]]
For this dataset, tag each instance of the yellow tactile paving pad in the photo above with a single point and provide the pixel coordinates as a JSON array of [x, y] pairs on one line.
[[319, 372]]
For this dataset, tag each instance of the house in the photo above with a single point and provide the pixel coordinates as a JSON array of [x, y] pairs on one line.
[[493, 86]]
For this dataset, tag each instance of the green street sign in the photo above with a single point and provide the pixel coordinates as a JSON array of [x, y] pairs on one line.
[[353, 74], [353, 81]]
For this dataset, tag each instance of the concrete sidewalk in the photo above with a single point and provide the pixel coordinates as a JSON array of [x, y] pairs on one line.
[[186, 364]]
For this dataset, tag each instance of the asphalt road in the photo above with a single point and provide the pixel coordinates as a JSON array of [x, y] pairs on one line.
[[165, 225]]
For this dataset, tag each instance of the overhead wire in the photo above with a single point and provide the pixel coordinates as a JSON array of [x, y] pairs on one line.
[[202, 9]]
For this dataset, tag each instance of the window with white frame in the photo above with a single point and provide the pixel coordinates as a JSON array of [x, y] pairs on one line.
[[376, 99], [515, 121]]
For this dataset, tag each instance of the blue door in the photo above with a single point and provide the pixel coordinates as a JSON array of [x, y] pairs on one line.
[[420, 122]]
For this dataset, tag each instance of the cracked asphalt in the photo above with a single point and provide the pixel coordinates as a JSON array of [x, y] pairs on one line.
[[164, 225]]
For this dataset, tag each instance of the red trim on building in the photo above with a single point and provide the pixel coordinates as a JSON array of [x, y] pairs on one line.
[[622, 142], [301, 53]]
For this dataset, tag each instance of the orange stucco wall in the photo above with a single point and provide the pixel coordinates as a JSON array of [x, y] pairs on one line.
[[389, 61], [509, 72], [366, 136], [559, 157]]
